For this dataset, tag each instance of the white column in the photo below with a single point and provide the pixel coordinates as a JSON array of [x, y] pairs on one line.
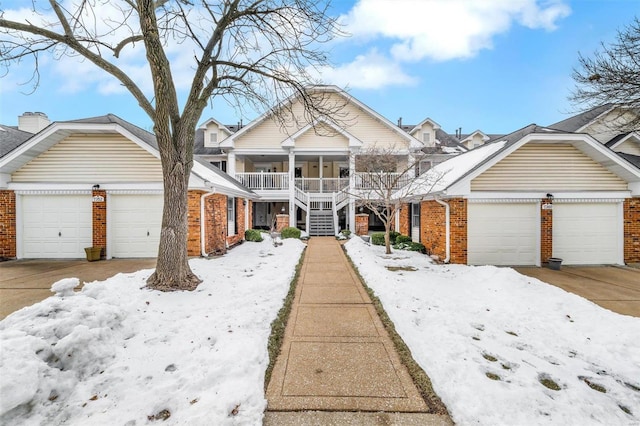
[[352, 185], [292, 190], [321, 171], [231, 164]]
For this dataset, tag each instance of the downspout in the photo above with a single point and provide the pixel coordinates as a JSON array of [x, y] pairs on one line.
[[202, 221], [447, 228]]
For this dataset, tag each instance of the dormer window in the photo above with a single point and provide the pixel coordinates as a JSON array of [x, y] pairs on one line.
[[213, 138], [426, 137]]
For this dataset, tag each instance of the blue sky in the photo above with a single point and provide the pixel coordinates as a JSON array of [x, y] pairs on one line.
[[494, 65]]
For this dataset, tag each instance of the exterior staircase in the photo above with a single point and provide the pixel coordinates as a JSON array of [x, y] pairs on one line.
[[321, 223]]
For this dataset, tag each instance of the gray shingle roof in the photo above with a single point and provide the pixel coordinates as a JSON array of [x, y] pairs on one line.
[[633, 159], [200, 149], [574, 123], [616, 139], [11, 138], [140, 133]]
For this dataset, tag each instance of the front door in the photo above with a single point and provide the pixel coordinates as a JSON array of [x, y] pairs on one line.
[[260, 215]]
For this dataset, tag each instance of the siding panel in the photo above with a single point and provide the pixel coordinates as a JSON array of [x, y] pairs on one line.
[[543, 167], [95, 158]]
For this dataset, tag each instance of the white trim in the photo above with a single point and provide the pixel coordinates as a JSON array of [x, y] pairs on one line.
[[502, 200], [612, 195], [586, 200], [19, 226], [53, 191], [134, 191]]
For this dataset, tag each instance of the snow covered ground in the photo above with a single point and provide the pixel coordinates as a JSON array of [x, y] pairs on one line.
[[489, 337], [117, 353]]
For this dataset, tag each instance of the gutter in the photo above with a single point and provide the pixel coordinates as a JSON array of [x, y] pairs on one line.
[[203, 252], [447, 213]]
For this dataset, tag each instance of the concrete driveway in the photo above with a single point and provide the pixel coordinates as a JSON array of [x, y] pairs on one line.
[[25, 282], [616, 288]]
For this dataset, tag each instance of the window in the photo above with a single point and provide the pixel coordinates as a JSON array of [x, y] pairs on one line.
[[222, 164], [231, 216], [424, 166], [213, 138], [426, 137]]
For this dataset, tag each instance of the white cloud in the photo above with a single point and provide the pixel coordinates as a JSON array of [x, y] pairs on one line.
[[369, 71], [438, 30]]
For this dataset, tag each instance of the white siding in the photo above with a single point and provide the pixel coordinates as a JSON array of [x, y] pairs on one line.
[[543, 167], [629, 147], [356, 121], [92, 158]]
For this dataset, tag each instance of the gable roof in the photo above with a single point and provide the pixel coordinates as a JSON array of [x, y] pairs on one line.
[[11, 138], [110, 123], [577, 122], [413, 142], [435, 125], [468, 165]]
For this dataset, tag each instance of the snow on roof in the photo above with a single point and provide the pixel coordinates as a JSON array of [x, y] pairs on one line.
[[441, 176]]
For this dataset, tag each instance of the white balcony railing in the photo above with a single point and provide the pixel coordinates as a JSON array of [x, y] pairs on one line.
[[264, 181], [381, 180], [324, 185]]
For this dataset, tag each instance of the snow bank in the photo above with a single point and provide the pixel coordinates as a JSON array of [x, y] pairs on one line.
[[488, 338], [117, 353]]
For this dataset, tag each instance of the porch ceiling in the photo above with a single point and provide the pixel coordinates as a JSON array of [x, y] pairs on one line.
[[261, 158]]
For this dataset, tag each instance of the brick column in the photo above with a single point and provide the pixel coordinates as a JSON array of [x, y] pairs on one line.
[[546, 230], [632, 230], [405, 212], [99, 211], [193, 222], [458, 229], [7, 224], [282, 221], [362, 224]]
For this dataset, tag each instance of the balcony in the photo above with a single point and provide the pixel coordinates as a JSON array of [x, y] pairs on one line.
[[267, 181]]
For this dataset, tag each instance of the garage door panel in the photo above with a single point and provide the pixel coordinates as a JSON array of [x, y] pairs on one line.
[[136, 221], [587, 233], [56, 226], [502, 234]]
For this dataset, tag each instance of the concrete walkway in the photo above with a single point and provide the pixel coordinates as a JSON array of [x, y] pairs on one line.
[[336, 355]]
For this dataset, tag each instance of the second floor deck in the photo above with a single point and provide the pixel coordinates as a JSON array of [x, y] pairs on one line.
[[268, 181]]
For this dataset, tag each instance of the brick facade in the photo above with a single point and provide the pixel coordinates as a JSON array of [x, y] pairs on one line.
[[433, 229], [546, 230], [7, 224], [362, 224], [405, 215], [632, 230], [99, 213], [215, 222]]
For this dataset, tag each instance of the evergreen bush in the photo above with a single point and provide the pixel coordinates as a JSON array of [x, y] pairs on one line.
[[290, 232]]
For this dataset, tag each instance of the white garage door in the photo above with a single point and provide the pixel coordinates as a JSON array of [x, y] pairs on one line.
[[56, 226], [502, 234], [587, 233], [135, 221]]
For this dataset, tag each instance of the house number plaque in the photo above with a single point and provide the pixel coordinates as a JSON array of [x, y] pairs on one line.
[[98, 199]]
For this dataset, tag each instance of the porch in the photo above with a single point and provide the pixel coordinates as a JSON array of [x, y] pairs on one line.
[[269, 181]]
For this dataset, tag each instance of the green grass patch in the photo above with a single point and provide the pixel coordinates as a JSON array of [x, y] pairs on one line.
[[492, 376], [548, 382], [489, 357], [420, 378], [280, 323], [593, 385], [401, 268]]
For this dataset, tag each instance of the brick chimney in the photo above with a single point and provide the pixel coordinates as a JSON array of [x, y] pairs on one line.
[[33, 122]]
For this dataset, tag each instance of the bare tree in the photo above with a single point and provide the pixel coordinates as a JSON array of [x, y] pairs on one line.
[[386, 180], [252, 53], [612, 76]]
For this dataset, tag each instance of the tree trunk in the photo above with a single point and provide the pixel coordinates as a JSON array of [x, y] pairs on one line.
[[387, 237], [172, 268]]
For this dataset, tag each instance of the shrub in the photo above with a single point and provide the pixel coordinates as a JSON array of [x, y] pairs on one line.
[[253, 235], [403, 239], [377, 238], [345, 232], [411, 246], [392, 236], [290, 232]]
